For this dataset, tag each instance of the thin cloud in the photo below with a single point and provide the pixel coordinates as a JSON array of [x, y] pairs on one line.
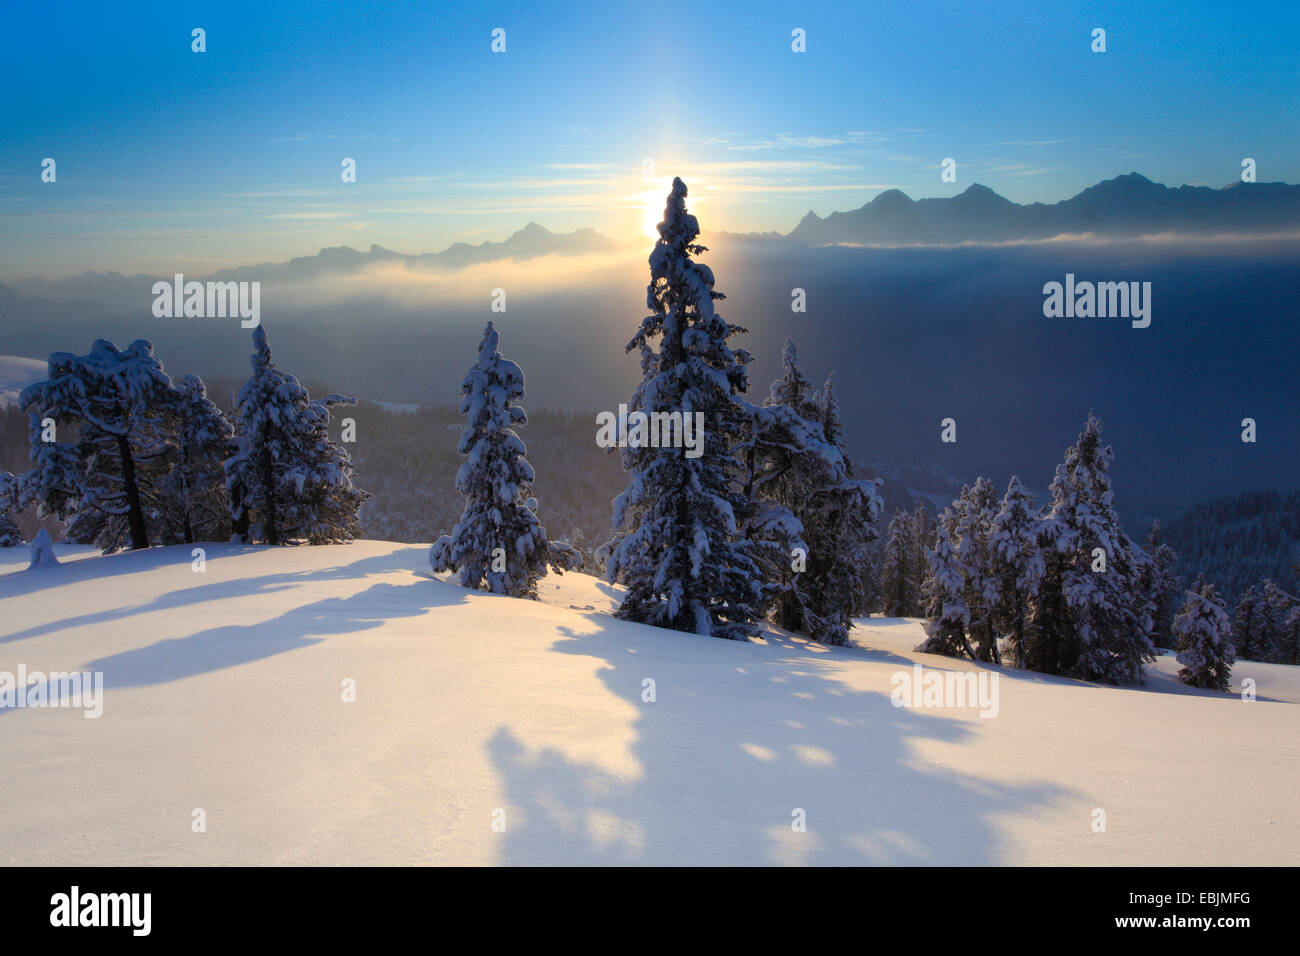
[[1036, 142], [789, 141], [1024, 169], [308, 215]]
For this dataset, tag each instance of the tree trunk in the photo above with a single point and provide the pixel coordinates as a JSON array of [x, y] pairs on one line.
[[238, 514], [1020, 637], [135, 512]]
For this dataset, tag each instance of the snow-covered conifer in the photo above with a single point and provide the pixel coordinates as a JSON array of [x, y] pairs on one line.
[[195, 498], [792, 389], [947, 616], [1089, 622], [1016, 567], [1204, 637], [862, 547], [975, 510], [288, 481], [10, 536], [679, 544], [116, 401], [1275, 608], [793, 469], [498, 545]]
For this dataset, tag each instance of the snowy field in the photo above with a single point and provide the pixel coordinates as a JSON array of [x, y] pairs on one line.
[[223, 692]]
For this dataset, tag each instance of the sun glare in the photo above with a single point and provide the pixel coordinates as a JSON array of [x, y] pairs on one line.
[[653, 201]]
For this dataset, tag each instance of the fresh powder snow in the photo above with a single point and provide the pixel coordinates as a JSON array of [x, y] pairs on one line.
[[224, 692]]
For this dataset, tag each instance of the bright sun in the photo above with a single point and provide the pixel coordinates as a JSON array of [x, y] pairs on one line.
[[652, 204]]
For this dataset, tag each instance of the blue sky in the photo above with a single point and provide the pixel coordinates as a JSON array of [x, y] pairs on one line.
[[169, 159]]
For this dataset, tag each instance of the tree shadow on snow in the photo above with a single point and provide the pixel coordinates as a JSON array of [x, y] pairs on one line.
[[98, 566], [228, 646], [214, 589], [739, 738]]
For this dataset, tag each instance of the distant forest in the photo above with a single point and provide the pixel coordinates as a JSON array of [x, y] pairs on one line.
[[407, 459], [1236, 541]]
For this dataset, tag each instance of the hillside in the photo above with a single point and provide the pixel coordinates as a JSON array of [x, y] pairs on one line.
[[224, 693], [1238, 540]]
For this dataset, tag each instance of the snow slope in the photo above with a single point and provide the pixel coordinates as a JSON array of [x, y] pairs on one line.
[[16, 373], [224, 693]]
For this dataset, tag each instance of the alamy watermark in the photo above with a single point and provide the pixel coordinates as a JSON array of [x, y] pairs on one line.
[[130, 910], [1102, 300], [945, 689], [640, 429], [73, 689], [208, 300]]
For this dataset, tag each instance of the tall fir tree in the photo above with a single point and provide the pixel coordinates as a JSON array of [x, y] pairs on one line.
[[975, 510], [678, 546], [1204, 638], [795, 469], [1093, 616], [498, 545], [947, 616], [288, 482], [854, 530], [1016, 567]]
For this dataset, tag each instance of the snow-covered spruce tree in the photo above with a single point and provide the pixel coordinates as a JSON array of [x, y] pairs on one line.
[[498, 545], [975, 509], [1016, 567], [1090, 623], [107, 481], [10, 536], [779, 452], [678, 545], [793, 469], [195, 500], [1166, 587], [1204, 638], [852, 525], [792, 389], [947, 616], [288, 482], [861, 528]]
